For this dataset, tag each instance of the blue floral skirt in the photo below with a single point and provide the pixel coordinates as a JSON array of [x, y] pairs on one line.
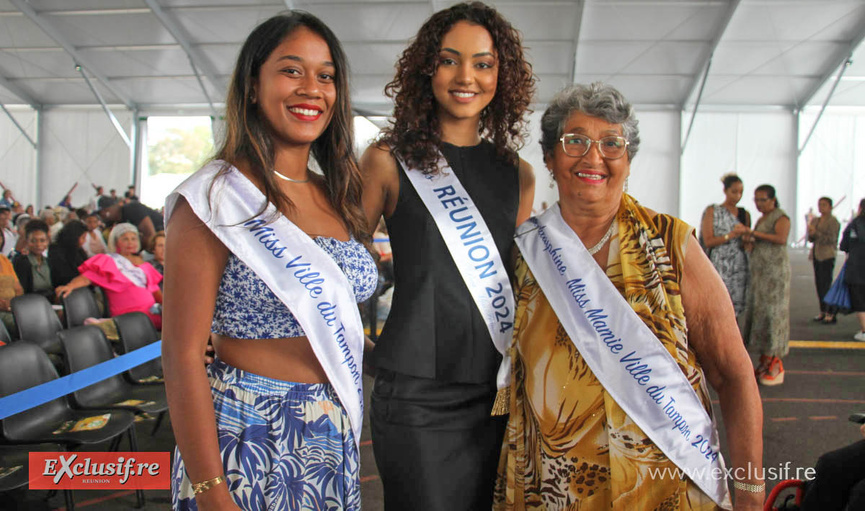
[[284, 445]]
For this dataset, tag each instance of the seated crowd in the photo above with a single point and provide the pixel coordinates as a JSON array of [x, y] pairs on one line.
[[116, 249]]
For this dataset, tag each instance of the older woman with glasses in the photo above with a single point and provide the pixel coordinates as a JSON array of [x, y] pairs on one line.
[[620, 323]]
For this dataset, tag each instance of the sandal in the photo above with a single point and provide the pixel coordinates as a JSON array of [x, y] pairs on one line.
[[830, 320], [774, 375], [819, 318]]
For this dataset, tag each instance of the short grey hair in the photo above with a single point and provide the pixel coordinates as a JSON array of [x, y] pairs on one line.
[[598, 100]]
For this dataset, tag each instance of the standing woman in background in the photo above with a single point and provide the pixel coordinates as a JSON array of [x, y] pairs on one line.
[[721, 232], [823, 232], [767, 314], [853, 242], [452, 189], [264, 253]]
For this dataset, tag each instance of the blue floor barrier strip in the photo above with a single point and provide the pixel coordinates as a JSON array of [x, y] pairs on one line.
[[49, 391]]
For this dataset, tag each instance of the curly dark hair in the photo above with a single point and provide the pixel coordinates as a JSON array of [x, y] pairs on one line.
[[415, 134]]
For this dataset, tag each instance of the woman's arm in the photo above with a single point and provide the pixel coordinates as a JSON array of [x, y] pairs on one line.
[[779, 236], [527, 191], [195, 261], [714, 337], [707, 230], [79, 281], [380, 184]]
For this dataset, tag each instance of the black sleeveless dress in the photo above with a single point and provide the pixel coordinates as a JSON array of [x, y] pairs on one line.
[[435, 444]]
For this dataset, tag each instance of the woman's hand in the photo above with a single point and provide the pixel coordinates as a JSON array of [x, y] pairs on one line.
[[5, 305], [739, 230], [63, 291]]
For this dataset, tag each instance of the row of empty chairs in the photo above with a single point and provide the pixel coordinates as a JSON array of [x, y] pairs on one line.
[[26, 363]]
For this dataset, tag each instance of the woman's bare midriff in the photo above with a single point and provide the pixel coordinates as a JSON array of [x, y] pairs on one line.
[[287, 359]]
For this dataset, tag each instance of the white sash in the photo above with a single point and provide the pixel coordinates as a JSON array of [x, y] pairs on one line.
[[474, 251], [625, 356], [299, 272]]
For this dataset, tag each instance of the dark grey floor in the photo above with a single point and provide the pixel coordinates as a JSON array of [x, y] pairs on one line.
[[803, 418]]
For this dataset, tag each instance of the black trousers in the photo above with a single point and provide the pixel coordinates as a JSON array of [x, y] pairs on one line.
[[435, 444], [823, 279], [840, 481]]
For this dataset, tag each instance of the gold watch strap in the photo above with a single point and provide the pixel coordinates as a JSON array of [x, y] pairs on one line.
[[753, 488]]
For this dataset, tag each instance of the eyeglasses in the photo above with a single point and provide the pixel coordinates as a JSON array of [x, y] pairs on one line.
[[610, 148]]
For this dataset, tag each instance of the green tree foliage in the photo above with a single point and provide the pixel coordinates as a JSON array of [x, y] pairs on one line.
[[180, 151]]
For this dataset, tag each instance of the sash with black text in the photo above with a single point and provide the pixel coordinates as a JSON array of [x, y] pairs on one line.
[[625, 356], [304, 277], [474, 251]]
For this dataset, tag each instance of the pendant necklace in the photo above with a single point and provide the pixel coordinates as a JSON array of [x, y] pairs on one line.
[[290, 180], [594, 250]]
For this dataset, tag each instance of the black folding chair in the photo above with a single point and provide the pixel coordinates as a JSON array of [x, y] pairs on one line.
[[86, 346], [79, 305], [24, 364], [15, 463], [37, 322], [136, 331]]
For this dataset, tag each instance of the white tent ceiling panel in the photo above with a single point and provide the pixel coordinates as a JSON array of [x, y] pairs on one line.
[[142, 63], [125, 29], [65, 91], [220, 25], [16, 31], [759, 90], [37, 64], [371, 21], [636, 58], [549, 56], [650, 20], [770, 22], [82, 5], [157, 90], [542, 20], [743, 58], [222, 3]]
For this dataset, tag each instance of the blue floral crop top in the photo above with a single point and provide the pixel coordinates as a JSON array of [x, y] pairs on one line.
[[247, 309]]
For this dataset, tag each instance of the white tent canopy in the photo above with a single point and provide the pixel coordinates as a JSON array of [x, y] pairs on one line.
[[757, 72]]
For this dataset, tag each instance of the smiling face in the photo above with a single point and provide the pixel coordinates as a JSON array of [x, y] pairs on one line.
[[295, 90], [127, 243], [591, 180], [37, 242], [467, 72]]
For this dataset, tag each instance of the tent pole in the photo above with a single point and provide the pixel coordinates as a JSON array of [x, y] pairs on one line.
[[696, 105], [841, 71], [20, 128], [107, 110]]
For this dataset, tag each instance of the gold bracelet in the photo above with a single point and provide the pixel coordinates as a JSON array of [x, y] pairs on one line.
[[203, 486], [753, 488]]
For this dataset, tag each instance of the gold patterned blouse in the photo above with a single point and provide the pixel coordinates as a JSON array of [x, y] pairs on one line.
[[568, 445]]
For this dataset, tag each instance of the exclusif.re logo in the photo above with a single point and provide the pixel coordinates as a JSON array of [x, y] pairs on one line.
[[100, 470]]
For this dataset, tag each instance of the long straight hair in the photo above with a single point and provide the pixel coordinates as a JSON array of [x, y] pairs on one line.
[[248, 136]]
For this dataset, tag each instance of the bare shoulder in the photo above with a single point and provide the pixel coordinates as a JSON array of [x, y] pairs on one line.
[[527, 173], [184, 228], [377, 162]]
